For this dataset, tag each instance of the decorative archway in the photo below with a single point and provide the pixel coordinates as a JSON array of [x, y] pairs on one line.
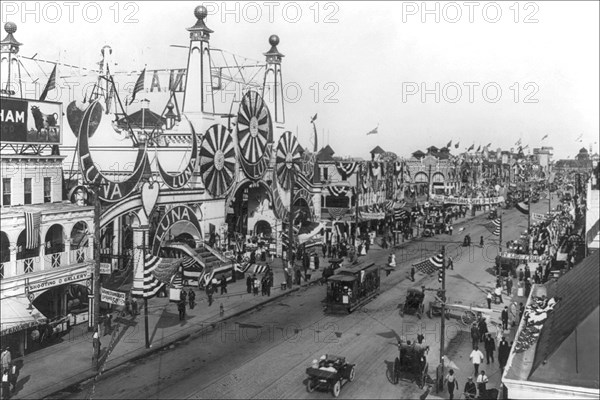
[[421, 177], [263, 228], [79, 235]]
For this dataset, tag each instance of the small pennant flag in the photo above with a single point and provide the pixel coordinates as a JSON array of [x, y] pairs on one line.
[[488, 145], [471, 147], [456, 145], [373, 131], [313, 119], [579, 138], [50, 85], [545, 136], [430, 265], [479, 148], [139, 86], [449, 144], [518, 143]]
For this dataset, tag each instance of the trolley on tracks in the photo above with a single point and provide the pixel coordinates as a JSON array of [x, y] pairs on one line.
[[351, 287]]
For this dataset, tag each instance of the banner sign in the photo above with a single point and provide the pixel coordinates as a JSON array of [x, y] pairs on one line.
[[110, 191], [524, 257], [48, 283], [106, 268], [176, 214], [538, 217], [372, 215], [467, 200], [112, 297], [30, 122]]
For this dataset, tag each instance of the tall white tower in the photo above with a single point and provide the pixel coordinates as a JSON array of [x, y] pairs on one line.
[[198, 97], [10, 67], [272, 92]]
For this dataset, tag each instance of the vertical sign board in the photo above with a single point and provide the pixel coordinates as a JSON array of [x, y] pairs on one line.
[[25, 121]]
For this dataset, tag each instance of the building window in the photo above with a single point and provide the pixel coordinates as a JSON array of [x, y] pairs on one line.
[[27, 191], [47, 190], [6, 191]]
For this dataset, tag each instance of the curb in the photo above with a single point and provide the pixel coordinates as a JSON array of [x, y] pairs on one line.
[[193, 331]]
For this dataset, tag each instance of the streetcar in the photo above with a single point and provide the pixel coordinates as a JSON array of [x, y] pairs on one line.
[[351, 287]]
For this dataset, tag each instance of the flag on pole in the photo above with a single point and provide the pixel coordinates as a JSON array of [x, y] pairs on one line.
[[313, 119], [50, 85], [430, 265], [479, 148], [545, 136], [449, 144], [151, 284], [488, 145], [139, 85], [471, 147], [456, 145], [373, 131], [32, 229], [494, 227], [518, 142]]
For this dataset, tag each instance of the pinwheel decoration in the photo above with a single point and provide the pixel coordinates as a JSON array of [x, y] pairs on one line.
[[217, 160], [287, 159]]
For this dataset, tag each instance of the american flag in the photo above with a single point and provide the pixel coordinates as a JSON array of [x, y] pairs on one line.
[[32, 229], [151, 284], [51, 85], [400, 214], [494, 226], [430, 265], [139, 86]]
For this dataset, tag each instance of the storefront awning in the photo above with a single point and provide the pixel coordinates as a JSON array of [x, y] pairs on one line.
[[16, 316]]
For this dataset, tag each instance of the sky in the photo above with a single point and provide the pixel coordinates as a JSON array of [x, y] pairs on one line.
[[423, 74]]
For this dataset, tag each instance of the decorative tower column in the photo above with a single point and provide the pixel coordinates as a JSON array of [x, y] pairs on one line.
[[198, 96], [10, 67], [272, 92]]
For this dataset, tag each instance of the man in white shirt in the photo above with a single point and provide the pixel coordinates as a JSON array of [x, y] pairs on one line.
[[482, 380], [476, 357]]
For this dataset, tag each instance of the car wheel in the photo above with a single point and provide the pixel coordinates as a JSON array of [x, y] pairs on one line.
[[352, 374], [310, 386], [337, 388]]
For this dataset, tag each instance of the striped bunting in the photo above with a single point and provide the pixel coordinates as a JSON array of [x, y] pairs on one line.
[[151, 284], [303, 182], [338, 190], [430, 265], [346, 169], [523, 207], [389, 205], [191, 269], [336, 212], [400, 214], [32, 229], [259, 268]]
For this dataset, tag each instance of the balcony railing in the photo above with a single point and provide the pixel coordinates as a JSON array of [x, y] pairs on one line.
[[51, 261]]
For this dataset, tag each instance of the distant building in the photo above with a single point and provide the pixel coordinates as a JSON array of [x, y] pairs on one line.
[[582, 163]]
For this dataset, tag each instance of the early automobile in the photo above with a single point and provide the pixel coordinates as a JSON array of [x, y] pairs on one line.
[[329, 373], [411, 365], [413, 304]]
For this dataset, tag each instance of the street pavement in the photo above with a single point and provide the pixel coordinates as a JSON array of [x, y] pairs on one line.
[[263, 352]]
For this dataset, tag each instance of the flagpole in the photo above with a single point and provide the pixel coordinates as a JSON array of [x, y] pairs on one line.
[[500, 236], [147, 336], [529, 220], [440, 371], [358, 185], [291, 216]]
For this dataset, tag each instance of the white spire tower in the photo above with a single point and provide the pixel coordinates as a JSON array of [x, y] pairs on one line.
[[198, 96], [10, 66], [272, 92]]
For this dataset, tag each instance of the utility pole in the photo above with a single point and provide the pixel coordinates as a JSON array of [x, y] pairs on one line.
[[529, 222], [428, 182], [358, 188], [97, 210], [442, 279], [500, 236], [147, 336], [291, 216]]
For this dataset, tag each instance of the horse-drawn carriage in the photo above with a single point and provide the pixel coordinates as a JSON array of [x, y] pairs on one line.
[[413, 304], [329, 373], [410, 365]]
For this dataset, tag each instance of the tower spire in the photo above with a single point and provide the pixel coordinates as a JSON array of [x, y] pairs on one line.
[[11, 74], [198, 97], [273, 84]]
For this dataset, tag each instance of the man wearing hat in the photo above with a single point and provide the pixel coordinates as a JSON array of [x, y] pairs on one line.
[[470, 388], [5, 359]]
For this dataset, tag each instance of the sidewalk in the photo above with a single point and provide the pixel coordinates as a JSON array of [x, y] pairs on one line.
[[64, 365]]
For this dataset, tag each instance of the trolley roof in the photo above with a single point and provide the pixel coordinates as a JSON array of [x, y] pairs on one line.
[[355, 269]]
